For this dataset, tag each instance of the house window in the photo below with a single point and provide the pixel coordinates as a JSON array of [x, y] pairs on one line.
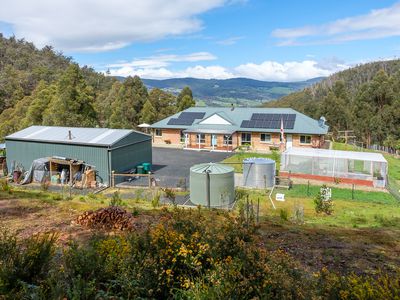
[[265, 138], [246, 138], [182, 137], [158, 132], [201, 138], [227, 139], [305, 139]]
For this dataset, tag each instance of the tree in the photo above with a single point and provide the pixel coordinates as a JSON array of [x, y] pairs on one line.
[[128, 104], [185, 99], [41, 98], [148, 114], [73, 105], [163, 102]]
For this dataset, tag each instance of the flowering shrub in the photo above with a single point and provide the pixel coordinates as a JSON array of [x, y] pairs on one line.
[[188, 254]]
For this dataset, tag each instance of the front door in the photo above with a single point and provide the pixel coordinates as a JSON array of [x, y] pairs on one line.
[[289, 141], [213, 141]]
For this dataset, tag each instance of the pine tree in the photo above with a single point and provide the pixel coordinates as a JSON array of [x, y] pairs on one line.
[[148, 114], [73, 105], [185, 99], [128, 104]]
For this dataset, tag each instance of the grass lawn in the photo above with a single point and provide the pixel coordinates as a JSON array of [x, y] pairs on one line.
[[237, 159], [367, 209]]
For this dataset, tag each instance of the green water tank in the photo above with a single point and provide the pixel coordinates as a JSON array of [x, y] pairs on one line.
[[147, 167], [140, 169], [222, 185]]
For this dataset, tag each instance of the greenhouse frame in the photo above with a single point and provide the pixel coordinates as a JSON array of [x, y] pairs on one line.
[[361, 168]]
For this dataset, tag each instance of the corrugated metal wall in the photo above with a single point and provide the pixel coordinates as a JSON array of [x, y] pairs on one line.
[[123, 158], [24, 152], [126, 158]]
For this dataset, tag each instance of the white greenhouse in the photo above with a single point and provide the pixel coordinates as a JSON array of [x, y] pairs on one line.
[[362, 168]]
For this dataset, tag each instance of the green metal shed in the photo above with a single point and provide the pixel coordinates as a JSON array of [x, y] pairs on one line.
[[106, 149]]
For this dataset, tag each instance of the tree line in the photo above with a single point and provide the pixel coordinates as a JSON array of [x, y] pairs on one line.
[[365, 99], [43, 87]]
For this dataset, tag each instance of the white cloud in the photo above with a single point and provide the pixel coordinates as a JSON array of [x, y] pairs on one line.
[[230, 41], [267, 70], [160, 61], [101, 25], [379, 23]]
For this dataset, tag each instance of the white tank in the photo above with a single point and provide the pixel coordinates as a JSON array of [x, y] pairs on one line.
[[259, 172]]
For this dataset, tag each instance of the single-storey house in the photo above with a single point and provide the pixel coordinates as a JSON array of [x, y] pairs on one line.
[[227, 128], [105, 149]]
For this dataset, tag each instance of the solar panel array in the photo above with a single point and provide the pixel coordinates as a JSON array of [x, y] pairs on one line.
[[270, 121], [186, 118]]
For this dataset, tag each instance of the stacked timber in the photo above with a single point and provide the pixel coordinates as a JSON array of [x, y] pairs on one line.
[[111, 218]]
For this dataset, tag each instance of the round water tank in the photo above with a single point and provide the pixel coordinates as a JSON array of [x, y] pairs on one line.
[[222, 184], [258, 172]]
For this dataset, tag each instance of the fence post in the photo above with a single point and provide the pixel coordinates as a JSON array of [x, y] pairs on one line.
[[352, 192], [247, 210], [112, 178], [308, 188], [258, 210]]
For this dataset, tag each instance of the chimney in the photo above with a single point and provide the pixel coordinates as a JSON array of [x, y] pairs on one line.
[[321, 122], [69, 135]]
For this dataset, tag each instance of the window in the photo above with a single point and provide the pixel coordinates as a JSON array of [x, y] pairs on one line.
[[158, 132], [305, 139], [265, 138], [246, 138], [201, 138], [182, 137], [227, 140]]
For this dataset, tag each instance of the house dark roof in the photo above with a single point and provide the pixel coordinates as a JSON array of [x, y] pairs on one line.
[[231, 120]]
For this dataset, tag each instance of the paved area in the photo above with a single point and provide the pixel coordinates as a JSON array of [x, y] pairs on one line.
[[171, 167]]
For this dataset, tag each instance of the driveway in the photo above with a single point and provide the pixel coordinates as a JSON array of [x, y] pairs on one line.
[[171, 167]]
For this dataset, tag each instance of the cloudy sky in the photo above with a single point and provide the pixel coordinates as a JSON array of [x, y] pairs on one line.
[[260, 39]]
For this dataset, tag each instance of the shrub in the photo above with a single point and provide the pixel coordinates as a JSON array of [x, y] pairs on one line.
[[322, 204], [5, 187], [155, 202], [116, 199], [284, 214], [170, 195], [26, 263]]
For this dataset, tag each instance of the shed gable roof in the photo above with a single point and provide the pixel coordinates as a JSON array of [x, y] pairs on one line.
[[73, 135]]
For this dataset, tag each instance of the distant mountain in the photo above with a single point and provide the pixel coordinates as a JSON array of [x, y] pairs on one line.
[[241, 91], [364, 99]]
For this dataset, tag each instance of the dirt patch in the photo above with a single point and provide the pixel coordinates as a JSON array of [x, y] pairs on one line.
[[343, 250]]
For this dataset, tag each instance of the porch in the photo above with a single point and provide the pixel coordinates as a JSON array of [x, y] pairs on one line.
[[211, 140]]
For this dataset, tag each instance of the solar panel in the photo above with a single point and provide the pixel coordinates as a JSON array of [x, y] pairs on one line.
[[191, 115], [270, 121], [178, 121]]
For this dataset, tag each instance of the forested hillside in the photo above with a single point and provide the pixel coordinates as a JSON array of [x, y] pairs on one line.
[[43, 87], [365, 99]]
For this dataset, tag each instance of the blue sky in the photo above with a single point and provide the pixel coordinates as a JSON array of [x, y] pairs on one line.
[[260, 39]]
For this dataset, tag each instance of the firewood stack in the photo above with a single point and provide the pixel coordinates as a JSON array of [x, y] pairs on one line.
[[110, 218]]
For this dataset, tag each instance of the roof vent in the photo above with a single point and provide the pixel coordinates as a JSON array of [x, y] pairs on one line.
[[70, 136], [321, 122]]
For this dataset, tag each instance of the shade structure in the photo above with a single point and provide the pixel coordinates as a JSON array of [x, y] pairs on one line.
[[365, 168]]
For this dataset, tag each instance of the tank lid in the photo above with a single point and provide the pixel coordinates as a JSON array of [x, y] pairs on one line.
[[258, 161], [212, 168]]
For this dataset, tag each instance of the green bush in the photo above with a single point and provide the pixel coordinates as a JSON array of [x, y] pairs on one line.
[[284, 214], [5, 187], [116, 199], [188, 254], [323, 205]]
